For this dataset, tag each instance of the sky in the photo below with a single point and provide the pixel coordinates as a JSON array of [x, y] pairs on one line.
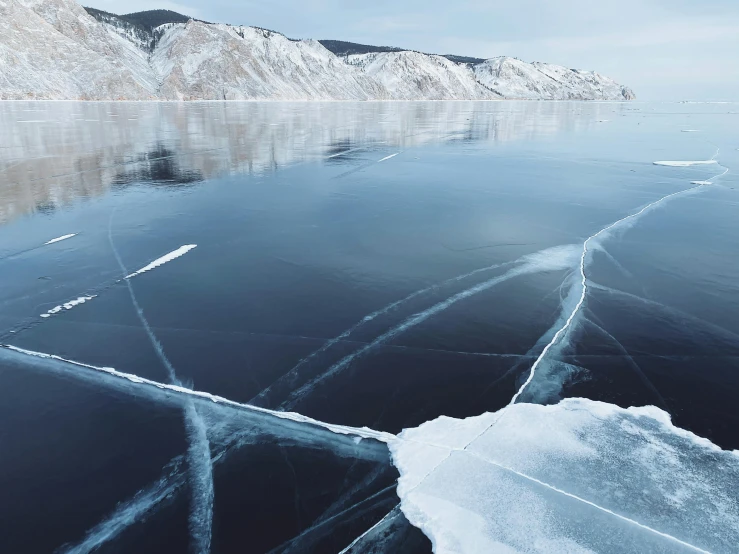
[[663, 49]]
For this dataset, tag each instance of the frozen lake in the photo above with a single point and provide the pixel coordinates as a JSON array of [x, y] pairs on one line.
[[366, 265]]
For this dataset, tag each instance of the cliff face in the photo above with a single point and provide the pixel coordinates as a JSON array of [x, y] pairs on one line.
[[54, 49]]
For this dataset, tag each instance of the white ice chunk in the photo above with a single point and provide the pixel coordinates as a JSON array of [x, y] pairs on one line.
[[63, 237], [579, 476], [701, 183], [181, 251], [686, 163]]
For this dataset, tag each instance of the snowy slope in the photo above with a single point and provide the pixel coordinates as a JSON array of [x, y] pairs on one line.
[[221, 62], [415, 76], [54, 49], [514, 78]]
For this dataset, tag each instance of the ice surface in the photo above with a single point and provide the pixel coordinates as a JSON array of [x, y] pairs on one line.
[[181, 251], [579, 476], [63, 237]]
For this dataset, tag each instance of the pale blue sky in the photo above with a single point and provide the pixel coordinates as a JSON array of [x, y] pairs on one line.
[[663, 49]]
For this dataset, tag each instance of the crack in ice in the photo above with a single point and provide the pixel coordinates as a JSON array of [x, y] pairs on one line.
[[293, 374], [199, 455], [551, 259], [588, 502]]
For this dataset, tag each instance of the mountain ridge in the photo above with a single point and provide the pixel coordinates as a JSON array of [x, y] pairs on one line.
[[56, 49]]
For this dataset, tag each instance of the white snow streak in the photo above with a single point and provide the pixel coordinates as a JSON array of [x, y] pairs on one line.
[[388, 157], [68, 305], [686, 163], [63, 237], [181, 251]]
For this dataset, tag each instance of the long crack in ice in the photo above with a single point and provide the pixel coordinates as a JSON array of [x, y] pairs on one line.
[[293, 375], [551, 259]]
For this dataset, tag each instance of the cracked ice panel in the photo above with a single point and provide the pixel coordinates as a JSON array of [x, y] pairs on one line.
[[579, 476]]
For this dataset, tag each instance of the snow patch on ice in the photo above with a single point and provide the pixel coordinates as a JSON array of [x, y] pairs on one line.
[[701, 183], [58, 239], [68, 305], [181, 251]]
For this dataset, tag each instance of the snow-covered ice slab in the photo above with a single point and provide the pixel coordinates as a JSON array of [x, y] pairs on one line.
[[579, 476]]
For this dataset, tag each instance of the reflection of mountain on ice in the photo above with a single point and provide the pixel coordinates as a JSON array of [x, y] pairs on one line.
[[47, 162]]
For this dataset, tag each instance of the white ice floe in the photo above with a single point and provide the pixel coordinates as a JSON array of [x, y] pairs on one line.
[[388, 157], [686, 163], [579, 476], [181, 251], [701, 183], [68, 305], [63, 237]]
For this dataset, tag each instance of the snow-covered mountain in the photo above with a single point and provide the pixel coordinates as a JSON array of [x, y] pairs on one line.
[[415, 76], [513, 78], [220, 62], [55, 49]]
